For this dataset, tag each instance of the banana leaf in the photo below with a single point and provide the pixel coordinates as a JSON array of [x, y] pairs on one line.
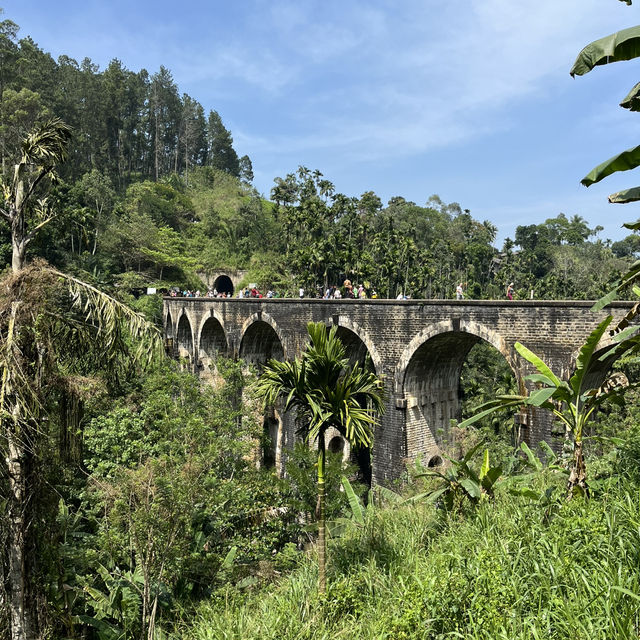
[[587, 350], [625, 196], [549, 452], [622, 45], [471, 487], [532, 459], [538, 363], [489, 480], [488, 408], [354, 501], [632, 99], [389, 496], [541, 397], [623, 161], [538, 377], [485, 464]]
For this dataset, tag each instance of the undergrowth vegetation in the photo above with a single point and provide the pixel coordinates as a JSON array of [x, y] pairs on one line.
[[513, 568]]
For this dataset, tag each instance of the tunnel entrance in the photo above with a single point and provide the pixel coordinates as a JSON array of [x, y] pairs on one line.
[[223, 284]]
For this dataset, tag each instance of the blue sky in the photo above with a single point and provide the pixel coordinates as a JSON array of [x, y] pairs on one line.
[[468, 99]]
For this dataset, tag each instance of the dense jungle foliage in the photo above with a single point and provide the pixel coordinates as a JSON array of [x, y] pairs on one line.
[[151, 513]]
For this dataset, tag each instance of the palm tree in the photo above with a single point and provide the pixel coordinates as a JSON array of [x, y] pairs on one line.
[[326, 392], [56, 333], [25, 204]]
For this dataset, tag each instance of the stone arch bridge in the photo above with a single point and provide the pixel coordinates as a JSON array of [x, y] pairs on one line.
[[418, 346]]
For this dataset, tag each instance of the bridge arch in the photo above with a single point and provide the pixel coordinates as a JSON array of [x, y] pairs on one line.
[[357, 340], [212, 338], [479, 331], [168, 326], [184, 336], [261, 340], [212, 342], [428, 382]]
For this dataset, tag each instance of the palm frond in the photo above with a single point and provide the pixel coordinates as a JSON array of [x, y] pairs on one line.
[[106, 318], [325, 389]]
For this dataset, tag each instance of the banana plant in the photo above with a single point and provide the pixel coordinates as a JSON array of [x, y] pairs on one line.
[[357, 515], [573, 402], [461, 482], [622, 45]]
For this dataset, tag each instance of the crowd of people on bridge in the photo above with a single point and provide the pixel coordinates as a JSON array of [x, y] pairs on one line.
[[346, 291], [175, 292]]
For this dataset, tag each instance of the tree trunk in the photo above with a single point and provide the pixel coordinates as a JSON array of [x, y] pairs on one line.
[[18, 610], [578, 474], [17, 526], [19, 250], [320, 509], [151, 632], [156, 141], [95, 232]]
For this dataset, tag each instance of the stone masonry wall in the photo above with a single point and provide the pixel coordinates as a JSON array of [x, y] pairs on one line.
[[418, 346]]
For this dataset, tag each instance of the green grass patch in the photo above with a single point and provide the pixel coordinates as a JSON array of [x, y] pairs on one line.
[[511, 570]]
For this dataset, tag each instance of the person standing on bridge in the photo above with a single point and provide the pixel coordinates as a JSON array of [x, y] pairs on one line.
[[510, 291], [459, 292]]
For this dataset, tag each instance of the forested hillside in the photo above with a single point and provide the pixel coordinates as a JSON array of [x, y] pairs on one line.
[[153, 193]]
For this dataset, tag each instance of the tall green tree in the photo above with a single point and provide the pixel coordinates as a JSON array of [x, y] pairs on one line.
[[21, 110], [221, 154], [54, 329], [193, 143], [96, 192], [246, 170], [8, 56], [164, 119], [326, 391]]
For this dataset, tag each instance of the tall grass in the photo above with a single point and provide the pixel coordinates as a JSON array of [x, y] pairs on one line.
[[512, 570]]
